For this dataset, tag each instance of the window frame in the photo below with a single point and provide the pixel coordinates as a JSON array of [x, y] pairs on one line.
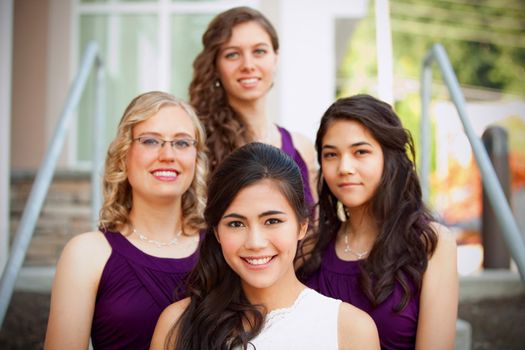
[[164, 10]]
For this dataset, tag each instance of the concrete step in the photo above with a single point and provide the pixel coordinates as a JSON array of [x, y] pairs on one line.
[[65, 213], [490, 284], [486, 284], [463, 335]]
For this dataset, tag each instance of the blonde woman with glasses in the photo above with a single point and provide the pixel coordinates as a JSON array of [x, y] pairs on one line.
[[112, 284]]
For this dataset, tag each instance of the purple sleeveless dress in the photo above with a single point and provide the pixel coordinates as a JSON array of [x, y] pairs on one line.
[[339, 279], [288, 147], [133, 290]]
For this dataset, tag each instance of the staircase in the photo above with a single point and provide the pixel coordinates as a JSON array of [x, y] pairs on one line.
[[66, 212]]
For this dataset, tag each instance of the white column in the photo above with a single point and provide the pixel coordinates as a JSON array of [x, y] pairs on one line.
[[307, 59], [6, 53], [385, 70]]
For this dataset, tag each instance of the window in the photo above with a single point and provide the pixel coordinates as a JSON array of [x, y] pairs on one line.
[[146, 45]]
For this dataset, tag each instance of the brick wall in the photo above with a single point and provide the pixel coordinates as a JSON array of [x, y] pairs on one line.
[[66, 212]]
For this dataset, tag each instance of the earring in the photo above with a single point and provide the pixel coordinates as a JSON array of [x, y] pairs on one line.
[[217, 83], [342, 214]]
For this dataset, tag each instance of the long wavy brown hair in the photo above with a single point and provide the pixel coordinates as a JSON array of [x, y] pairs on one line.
[[406, 237], [116, 187], [225, 128]]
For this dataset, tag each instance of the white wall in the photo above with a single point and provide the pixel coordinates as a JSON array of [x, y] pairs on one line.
[[307, 66], [61, 65], [6, 50], [270, 8]]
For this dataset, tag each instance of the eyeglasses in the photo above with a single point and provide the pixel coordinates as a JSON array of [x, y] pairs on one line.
[[154, 143]]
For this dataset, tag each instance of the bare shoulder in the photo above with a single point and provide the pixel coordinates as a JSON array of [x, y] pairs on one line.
[[92, 238], [87, 251], [442, 265], [446, 244], [168, 318], [301, 139], [173, 312], [441, 229], [304, 145], [356, 329], [90, 244]]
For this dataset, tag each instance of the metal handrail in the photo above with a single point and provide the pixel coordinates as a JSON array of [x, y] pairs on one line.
[[35, 201], [511, 233]]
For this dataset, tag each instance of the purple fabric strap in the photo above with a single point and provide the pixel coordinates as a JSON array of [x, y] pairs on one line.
[[288, 147]]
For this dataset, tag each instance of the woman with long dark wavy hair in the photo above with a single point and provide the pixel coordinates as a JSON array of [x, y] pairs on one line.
[[243, 291], [377, 246], [232, 76]]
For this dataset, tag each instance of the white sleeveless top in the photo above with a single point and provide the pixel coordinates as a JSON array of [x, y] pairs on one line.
[[310, 323]]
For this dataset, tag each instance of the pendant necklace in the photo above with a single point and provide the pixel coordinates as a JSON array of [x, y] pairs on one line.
[[159, 244], [358, 255]]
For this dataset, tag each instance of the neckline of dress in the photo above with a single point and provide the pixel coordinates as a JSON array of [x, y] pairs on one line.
[[133, 248], [338, 258], [278, 314]]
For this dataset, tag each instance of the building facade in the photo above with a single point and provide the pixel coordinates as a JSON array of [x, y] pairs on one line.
[[145, 45]]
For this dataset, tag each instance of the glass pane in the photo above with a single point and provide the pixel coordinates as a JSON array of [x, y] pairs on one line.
[[186, 34], [130, 52]]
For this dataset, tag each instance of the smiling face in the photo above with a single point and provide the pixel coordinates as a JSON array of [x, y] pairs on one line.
[[161, 173], [352, 162], [246, 63], [258, 234]]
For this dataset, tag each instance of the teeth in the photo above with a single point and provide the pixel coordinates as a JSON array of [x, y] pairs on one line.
[[260, 261], [249, 81], [165, 173]]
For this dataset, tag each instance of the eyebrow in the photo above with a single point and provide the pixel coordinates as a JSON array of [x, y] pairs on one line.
[[266, 213], [237, 46], [356, 144], [177, 135]]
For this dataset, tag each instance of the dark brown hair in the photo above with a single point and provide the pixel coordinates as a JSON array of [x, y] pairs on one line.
[[406, 238], [219, 311], [225, 128]]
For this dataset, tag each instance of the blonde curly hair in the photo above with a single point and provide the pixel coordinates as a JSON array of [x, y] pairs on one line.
[[116, 188]]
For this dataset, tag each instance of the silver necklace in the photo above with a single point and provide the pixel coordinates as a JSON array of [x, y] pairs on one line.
[[159, 244], [358, 255]]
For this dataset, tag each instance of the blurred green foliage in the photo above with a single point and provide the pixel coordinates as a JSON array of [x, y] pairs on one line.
[[484, 40]]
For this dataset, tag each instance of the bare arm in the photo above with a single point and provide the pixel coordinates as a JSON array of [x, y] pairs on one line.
[[307, 151], [166, 321], [356, 329], [438, 305], [74, 291]]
